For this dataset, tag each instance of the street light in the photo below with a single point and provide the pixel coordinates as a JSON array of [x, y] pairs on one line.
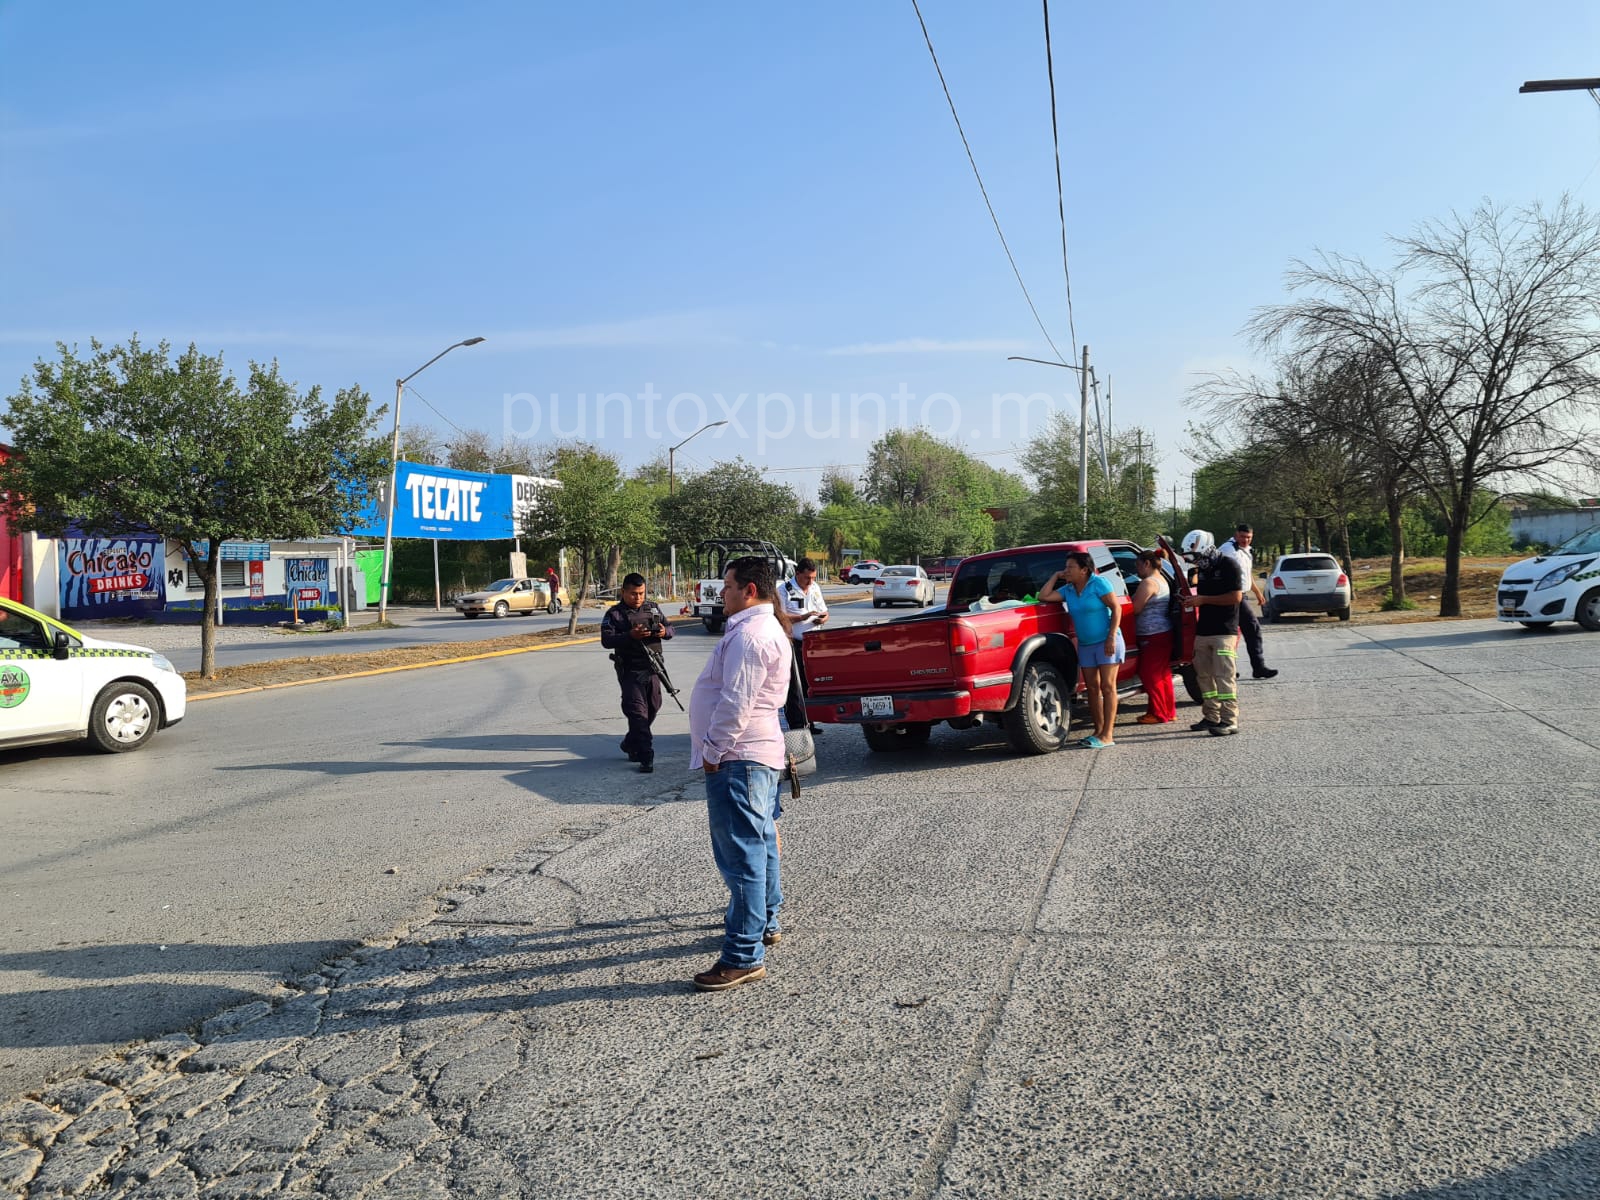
[[1083, 425], [671, 489], [394, 475]]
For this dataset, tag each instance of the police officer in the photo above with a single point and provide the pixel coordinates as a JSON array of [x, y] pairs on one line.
[[626, 630]]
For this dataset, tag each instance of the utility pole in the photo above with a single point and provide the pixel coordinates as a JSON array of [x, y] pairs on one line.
[[1083, 443], [1138, 470], [1083, 425]]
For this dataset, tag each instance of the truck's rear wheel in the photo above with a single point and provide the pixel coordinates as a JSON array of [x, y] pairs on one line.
[[713, 624], [1038, 723], [1191, 683], [897, 737]]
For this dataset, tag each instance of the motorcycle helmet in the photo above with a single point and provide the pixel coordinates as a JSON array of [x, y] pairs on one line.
[[1197, 543]]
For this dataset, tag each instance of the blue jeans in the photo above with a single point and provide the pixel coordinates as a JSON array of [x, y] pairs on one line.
[[741, 799]]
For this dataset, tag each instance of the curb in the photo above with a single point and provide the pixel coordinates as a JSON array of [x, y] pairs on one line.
[[436, 662]]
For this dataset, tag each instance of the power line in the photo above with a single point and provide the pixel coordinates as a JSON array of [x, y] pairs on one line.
[[979, 177], [436, 412], [1061, 204]]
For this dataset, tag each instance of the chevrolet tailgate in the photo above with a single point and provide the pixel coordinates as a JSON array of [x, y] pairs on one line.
[[854, 672]]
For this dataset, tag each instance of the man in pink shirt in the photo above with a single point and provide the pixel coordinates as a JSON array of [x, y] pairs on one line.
[[734, 737]]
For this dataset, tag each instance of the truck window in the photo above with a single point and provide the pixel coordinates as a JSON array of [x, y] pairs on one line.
[[1011, 577]]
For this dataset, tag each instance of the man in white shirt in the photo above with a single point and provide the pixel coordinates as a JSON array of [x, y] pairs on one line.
[[1238, 548], [807, 611]]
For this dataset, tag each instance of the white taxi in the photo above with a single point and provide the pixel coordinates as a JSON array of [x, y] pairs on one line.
[[57, 685], [1563, 585]]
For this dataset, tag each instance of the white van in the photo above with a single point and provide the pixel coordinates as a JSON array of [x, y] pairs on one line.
[[1563, 585], [58, 685]]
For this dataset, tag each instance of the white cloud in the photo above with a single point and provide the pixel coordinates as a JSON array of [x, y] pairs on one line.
[[933, 346]]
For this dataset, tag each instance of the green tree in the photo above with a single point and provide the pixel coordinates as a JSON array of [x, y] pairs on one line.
[[730, 499], [594, 509], [129, 439], [1053, 513]]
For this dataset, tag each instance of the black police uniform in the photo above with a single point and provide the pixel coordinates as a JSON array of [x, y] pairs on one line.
[[641, 690]]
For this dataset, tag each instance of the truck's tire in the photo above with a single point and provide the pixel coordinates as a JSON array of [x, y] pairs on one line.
[[713, 624], [898, 737], [125, 716], [1191, 683], [1588, 611], [1038, 723]]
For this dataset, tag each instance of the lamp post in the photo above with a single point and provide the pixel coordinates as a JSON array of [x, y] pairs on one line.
[[394, 474], [1083, 425], [672, 552]]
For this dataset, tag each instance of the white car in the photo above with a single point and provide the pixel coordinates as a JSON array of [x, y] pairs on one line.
[[1563, 585], [865, 571], [58, 685], [902, 585], [1308, 583]]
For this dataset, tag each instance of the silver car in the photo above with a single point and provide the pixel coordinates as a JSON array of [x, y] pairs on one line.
[[905, 584]]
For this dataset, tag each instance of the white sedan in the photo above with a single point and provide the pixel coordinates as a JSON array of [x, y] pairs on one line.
[[58, 685], [903, 585]]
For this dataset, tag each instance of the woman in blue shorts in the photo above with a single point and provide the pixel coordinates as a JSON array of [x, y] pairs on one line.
[[1096, 613]]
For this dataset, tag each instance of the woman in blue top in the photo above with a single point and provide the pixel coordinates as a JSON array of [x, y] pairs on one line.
[[1096, 613]]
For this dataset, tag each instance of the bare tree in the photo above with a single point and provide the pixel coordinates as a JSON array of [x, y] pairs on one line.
[[1489, 329]]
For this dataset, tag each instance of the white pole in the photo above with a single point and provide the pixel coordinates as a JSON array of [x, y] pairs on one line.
[[388, 525], [436, 595]]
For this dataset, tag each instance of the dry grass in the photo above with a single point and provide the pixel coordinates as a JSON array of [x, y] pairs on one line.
[[1424, 581]]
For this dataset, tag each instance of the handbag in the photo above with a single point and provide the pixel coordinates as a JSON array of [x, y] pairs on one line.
[[799, 747]]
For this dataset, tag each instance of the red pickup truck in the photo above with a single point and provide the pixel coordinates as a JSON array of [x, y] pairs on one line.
[[992, 653]]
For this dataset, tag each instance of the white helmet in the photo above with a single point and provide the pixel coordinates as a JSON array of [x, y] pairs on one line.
[[1197, 543]]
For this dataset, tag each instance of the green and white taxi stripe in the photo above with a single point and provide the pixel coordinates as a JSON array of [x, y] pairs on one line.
[[78, 652]]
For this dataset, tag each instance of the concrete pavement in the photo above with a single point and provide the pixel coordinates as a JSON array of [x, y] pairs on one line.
[[1351, 952]]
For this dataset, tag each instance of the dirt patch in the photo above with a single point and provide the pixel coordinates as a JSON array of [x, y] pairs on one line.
[[295, 670], [1480, 577]]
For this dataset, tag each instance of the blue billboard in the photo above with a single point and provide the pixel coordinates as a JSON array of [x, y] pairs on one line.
[[438, 502]]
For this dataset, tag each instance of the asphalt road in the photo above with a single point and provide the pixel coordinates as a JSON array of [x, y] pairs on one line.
[[251, 840], [1351, 952]]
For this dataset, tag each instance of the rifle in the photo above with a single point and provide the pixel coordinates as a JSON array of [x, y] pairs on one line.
[[658, 668]]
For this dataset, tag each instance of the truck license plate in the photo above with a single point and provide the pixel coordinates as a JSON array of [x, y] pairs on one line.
[[877, 706]]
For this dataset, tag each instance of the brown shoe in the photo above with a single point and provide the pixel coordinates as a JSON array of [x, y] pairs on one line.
[[773, 938], [722, 977], [1151, 719]]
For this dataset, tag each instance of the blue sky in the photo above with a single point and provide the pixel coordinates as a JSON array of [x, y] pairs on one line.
[[716, 200]]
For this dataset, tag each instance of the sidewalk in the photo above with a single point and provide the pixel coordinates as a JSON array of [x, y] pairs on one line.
[[1174, 969]]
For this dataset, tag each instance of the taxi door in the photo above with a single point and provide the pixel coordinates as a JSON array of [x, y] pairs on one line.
[[39, 694]]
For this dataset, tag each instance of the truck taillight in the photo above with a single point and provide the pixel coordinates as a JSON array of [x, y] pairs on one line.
[[1277, 582], [1344, 580], [963, 639]]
